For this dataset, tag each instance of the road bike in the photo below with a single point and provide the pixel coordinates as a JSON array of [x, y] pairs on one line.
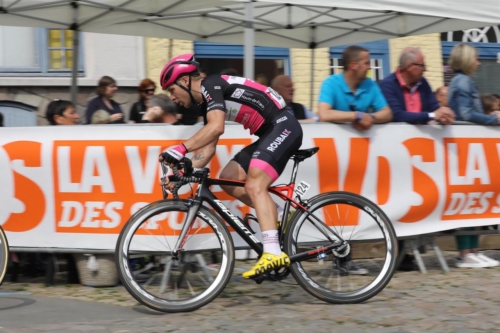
[[4, 254], [177, 255]]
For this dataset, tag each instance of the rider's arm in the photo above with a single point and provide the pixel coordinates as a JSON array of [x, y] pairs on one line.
[[203, 155], [209, 133]]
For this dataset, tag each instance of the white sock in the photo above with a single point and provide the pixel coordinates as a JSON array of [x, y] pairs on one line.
[[271, 242]]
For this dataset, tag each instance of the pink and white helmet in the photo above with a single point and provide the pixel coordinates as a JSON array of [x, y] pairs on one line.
[[178, 66]]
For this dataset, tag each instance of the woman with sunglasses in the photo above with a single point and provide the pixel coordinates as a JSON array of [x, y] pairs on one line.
[[146, 91]]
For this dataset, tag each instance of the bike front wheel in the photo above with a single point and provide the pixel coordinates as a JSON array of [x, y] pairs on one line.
[[4, 254], [367, 261], [170, 279]]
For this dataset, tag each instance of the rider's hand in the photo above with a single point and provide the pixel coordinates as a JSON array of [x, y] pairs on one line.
[[173, 155]]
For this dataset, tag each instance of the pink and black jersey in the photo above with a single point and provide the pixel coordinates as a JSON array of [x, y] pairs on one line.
[[244, 101]]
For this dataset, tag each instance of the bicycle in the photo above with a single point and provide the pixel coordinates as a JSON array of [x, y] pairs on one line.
[[177, 255], [4, 254]]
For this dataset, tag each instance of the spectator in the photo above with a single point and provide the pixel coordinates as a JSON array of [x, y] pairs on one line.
[[146, 91], [463, 94], [106, 89], [409, 95], [1, 119], [442, 96], [284, 86], [490, 103], [464, 100], [351, 96], [60, 112], [161, 110]]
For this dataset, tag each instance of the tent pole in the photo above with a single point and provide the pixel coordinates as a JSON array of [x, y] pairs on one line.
[[249, 42], [312, 46], [76, 50]]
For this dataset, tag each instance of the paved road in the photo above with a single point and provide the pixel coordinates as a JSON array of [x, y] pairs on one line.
[[462, 301]]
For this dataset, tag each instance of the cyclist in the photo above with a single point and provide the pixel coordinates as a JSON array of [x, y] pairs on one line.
[[259, 109]]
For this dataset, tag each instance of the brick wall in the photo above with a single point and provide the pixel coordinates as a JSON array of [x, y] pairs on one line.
[[301, 74], [430, 45], [159, 51]]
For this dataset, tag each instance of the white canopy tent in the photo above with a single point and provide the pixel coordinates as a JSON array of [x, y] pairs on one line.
[[89, 15], [312, 23], [290, 23]]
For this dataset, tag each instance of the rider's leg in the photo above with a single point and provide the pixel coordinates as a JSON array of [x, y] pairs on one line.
[[234, 171], [256, 187], [257, 183]]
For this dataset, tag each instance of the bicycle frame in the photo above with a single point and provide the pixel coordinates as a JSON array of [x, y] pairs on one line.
[[203, 194]]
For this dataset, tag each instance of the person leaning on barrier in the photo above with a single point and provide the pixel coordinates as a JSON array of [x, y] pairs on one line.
[[161, 110], [283, 85], [409, 94], [351, 97], [463, 94]]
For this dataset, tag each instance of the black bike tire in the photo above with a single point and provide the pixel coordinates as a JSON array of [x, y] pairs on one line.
[[301, 276], [163, 305], [4, 253]]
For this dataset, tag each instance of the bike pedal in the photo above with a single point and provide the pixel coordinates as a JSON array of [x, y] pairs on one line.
[[259, 278]]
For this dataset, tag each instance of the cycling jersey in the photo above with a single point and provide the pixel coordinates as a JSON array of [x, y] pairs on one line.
[[261, 110], [244, 101]]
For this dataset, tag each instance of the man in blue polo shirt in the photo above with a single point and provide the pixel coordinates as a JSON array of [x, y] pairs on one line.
[[351, 96]]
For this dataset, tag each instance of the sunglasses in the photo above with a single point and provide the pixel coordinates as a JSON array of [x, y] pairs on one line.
[[148, 91], [419, 65]]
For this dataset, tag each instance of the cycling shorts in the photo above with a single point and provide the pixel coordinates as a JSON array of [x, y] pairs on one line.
[[271, 152]]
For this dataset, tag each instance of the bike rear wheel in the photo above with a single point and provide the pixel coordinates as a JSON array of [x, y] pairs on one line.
[[351, 276], [4, 255], [168, 279]]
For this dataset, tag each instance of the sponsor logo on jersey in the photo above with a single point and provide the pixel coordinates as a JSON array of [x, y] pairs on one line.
[[256, 154], [205, 94], [238, 93], [279, 140], [217, 87], [281, 119]]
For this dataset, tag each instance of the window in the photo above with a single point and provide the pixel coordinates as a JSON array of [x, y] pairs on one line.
[[379, 59], [37, 52], [269, 61], [376, 72], [18, 49], [60, 47], [487, 73]]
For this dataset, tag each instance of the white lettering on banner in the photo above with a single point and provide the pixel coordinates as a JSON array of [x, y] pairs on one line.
[[462, 203], [94, 161], [68, 208], [143, 178], [92, 214], [476, 167], [111, 212], [64, 168]]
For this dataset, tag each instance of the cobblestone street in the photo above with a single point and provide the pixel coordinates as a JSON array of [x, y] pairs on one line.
[[461, 301]]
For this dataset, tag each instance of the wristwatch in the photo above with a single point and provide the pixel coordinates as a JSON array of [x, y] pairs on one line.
[[359, 116]]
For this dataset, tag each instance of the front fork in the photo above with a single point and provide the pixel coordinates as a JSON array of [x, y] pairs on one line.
[[194, 206]]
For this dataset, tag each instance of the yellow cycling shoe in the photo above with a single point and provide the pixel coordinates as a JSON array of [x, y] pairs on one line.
[[266, 263]]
